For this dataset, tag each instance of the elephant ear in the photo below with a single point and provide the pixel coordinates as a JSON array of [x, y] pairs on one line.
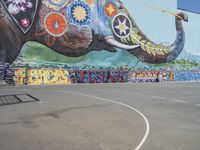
[[22, 12]]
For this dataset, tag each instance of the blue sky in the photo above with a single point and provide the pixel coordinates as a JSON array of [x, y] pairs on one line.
[[160, 26], [190, 5]]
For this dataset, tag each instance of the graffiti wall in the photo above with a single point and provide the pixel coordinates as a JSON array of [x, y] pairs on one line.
[[20, 76], [99, 76], [23, 75], [41, 76], [137, 33]]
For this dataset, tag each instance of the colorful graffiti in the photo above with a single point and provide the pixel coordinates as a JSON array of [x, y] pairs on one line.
[[20, 76], [75, 28], [38, 75], [48, 76], [186, 75], [6, 74], [150, 76], [99, 76]]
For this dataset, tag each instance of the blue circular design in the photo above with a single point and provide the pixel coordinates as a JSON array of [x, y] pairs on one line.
[[70, 12]]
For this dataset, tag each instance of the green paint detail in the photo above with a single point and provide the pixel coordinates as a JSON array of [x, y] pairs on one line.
[[33, 52]]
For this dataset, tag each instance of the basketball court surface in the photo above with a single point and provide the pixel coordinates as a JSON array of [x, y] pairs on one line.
[[128, 116]]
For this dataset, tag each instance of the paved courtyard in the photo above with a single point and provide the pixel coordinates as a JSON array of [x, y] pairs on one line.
[[145, 116]]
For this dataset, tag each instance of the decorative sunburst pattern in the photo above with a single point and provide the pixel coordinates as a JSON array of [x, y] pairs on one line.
[[55, 24], [79, 13]]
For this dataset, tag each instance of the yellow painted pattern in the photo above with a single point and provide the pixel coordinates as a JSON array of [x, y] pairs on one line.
[[36, 76], [133, 40], [138, 37], [48, 76], [159, 52], [166, 51], [152, 51], [143, 45], [20, 76], [148, 46]]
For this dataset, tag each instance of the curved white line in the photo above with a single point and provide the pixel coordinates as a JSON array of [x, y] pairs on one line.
[[119, 103], [122, 104]]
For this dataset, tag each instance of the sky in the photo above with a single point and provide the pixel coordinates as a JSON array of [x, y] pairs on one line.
[[190, 5], [160, 26]]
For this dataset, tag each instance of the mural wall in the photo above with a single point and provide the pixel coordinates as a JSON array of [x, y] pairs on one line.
[[41, 76], [98, 33]]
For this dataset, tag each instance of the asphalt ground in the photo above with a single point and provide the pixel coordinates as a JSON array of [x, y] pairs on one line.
[[129, 116]]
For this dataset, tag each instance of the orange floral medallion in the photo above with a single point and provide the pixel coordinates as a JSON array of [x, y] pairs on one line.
[[55, 24]]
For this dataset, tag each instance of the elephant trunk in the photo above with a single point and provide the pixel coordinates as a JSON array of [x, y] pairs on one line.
[[150, 52]]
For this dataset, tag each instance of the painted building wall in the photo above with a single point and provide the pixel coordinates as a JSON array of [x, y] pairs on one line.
[[41, 76], [74, 32]]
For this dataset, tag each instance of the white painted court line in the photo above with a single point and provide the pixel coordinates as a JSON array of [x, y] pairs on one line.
[[170, 100], [138, 94], [179, 101], [125, 105], [160, 98], [119, 103]]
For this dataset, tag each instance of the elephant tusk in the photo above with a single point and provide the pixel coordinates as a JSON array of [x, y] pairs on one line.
[[111, 41]]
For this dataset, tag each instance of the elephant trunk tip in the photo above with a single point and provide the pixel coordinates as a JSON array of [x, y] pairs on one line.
[[182, 16]]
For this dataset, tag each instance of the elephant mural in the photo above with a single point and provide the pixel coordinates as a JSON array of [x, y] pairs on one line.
[[77, 27]]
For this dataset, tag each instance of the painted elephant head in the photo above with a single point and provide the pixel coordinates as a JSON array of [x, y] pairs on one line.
[[120, 30], [76, 27]]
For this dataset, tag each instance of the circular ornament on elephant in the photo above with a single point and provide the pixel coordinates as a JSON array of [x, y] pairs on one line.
[[79, 13], [55, 4], [110, 9], [55, 24], [121, 26]]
